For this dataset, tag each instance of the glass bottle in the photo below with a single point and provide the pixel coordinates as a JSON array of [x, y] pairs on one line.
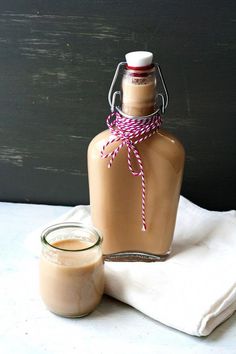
[[115, 194]]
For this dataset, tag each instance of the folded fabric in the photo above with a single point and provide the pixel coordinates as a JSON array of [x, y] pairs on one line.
[[194, 290]]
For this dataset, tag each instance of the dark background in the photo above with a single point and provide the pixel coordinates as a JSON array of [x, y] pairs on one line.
[[57, 59]]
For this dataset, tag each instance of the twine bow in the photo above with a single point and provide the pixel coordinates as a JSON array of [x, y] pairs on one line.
[[130, 132]]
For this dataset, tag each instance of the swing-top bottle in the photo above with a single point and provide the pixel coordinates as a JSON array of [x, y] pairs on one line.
[[136, 213]]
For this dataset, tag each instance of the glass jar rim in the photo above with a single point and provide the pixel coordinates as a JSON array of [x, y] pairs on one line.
[[65, 225]]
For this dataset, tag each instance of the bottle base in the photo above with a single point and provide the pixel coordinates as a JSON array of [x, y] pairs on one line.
[[135, 256]]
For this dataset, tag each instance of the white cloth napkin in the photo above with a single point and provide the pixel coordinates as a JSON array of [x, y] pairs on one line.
[[194, 290]]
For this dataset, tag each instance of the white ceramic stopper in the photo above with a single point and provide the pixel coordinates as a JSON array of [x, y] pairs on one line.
[[139, 58]]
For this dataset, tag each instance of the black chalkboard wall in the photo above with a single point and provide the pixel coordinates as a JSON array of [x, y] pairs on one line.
[[57, 59]]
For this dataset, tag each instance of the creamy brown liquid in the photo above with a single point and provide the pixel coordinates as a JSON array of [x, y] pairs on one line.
[[138, 100], [116, 195], [72, 285]]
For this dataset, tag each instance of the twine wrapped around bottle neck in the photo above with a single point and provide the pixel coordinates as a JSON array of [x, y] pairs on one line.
[[130, 131]]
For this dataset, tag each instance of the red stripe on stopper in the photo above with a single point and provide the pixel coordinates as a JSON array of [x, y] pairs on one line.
[[139, 68]]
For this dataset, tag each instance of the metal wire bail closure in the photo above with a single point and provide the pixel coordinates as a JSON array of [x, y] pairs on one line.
[[113, 95]]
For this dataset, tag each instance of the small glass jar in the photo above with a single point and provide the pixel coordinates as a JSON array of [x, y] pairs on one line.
[[71, 269]]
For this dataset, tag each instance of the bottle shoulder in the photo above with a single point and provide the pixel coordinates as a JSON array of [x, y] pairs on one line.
[[99, 140], [167, 139], [162, 142]]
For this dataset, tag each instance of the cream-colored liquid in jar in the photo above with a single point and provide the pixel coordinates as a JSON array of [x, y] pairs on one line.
[[138, 99], [71, 283]]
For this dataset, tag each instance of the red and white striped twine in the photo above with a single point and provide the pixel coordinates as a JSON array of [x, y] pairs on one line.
[[131, 131]]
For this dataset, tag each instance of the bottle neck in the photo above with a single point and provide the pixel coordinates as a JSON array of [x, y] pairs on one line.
[[138, 90]]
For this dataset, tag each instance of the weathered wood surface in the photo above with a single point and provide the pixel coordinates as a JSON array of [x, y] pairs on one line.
[[56, 64]]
